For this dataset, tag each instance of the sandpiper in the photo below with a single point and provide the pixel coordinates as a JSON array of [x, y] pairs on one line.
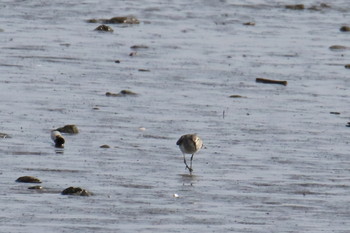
[[57, 137], [189, 144]]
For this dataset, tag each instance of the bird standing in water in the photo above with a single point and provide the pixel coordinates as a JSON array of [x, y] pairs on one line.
[[189, 144], [58, 139]]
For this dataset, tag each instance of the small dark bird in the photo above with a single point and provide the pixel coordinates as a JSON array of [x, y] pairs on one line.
[[189, 144], [57, 137]]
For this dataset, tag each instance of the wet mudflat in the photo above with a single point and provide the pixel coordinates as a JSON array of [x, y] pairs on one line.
[[276, 160]]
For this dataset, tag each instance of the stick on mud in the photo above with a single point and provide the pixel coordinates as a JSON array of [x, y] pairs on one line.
[[270, 81]]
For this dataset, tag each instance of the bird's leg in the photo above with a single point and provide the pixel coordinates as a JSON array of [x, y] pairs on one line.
[[191, 163], [190, 169]]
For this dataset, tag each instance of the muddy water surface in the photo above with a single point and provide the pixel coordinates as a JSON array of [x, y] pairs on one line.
[[274, 161]]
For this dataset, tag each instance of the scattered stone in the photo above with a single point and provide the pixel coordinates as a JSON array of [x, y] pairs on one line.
[[348, 124], [127, 92], [116, 20], [75, 191], [121, 93], [105, 146], [319, 7], [132, 54], [338, 47], [4, 135], [139, 47], [35, 187], [117, 61], [270, 81], [143, 70], [112, 94], [347, 66], [249, 23], [237, 96], [71, 129], [104, 28], [295, 7], [28, 179], [345, 29], [58, 139], [335, 113]]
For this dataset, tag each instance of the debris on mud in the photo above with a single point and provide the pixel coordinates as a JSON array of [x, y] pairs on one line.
[[121, 93], [71, 129], [116, 20], [344, 29], [338, 47], [139, 47], [104, 28], [270, 81], [249, 23], [295, 7], [38, 187], [28, 179], [237, 96], [77, 191]]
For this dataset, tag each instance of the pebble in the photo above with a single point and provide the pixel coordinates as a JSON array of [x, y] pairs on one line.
[[121, 93], [295, 7], [75, 191], [35, 187], [104, 28], [71, 129], [116, 20], [345, 29]]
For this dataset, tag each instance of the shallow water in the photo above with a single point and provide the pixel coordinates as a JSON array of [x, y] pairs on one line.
[[275, 161]]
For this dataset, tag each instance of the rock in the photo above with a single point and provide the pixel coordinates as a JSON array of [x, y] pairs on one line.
[[124, 19], [127, 92], [344, 29], [57, 137], [71, 129], [116, 20], [139, 47], [319, 7], [295, 7], [347, 66], [105, 146], [35, 187], [75, 191], [121, 93], [249, 23], [28, 179], [104, 28], [112, 94], [338, 47], [237, 96]]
